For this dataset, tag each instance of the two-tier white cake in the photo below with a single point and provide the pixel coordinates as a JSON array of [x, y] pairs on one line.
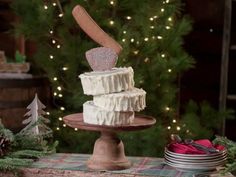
[[115, 99]]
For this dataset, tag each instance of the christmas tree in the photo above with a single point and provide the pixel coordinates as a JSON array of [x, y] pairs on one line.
[[151, 34]]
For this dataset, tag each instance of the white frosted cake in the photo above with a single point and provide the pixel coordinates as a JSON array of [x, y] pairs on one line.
[[131, 100], [96, 115], [105, 82], [115, 99]]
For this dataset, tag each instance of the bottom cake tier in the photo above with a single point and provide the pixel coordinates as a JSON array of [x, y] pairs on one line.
[[96, 115]]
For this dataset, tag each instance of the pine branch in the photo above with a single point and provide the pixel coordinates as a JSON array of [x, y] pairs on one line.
[[231, 151], [229, 168], [6, 132], [27, 154], [11, 164]]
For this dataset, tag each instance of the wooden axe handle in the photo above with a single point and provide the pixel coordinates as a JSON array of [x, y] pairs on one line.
[[91, 28]]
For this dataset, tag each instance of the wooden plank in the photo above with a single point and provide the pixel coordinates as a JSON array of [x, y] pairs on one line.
[[23, 83], [12, 118], [225, 59], [231, 97], [14, 67], [8, 95], [233, 47], [6, 1], [17, 94]]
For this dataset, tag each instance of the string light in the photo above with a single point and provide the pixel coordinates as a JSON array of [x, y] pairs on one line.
[[151, 19], [163, 55], [146, 39], [170, 19], [51, 56], [159, 37], [48, 113], [111, 22], [136, 52], [155, 16], [132, 40], [112, 2], [60, 15], [124, 32], [137, 42], [169, 127], [211, 30], [174, 121], [169, 70], [153, 37], [146, 60], [152, 27], [60, 95], [123, 40], [162, 10], [167, 1], [167, 108], [128, 18], [187, 131], [178, 128], [141, 81], [76, 129], [167, 27]]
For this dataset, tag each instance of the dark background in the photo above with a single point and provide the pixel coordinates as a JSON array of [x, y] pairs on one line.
[[204, 43]]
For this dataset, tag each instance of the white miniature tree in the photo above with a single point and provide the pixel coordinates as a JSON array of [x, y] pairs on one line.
[[35, 121]]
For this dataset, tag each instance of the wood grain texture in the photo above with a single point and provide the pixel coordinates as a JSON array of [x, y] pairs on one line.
[[91, 28], [16, 94]]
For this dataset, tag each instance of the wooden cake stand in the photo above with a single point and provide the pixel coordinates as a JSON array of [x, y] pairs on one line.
[[108, 153]]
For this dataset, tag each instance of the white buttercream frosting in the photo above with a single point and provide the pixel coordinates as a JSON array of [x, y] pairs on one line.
[[105, 82], [96, 115], [131, 100]]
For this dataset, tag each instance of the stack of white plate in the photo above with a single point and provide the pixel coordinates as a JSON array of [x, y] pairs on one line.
[[195, 162]]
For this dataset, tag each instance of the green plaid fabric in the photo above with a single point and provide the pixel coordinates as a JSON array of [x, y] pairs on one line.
[[140, 165]]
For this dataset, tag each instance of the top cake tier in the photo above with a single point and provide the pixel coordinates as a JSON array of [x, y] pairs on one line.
[[105, 82]]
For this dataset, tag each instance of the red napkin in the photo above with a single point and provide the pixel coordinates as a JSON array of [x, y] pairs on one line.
[[182, 148]]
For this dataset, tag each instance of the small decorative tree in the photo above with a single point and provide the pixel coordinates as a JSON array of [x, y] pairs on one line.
[[36, 122]]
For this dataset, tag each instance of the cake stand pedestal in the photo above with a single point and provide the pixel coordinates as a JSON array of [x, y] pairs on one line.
[[108, 153]]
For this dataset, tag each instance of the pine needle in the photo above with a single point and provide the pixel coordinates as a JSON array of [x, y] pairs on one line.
[[29, 154], [11, 164]]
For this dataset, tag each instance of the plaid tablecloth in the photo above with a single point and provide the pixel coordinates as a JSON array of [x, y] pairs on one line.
[[145, 166]]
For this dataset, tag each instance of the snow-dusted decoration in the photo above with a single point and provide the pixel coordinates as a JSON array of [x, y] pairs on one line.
[[35, 121], [13, 67]]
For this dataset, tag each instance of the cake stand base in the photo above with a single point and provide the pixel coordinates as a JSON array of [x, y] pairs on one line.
[[108, 153]]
